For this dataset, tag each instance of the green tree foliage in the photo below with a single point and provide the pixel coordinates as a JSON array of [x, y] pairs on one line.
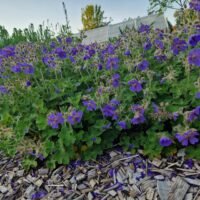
[[160, 6], [93, 17], [185, 17]]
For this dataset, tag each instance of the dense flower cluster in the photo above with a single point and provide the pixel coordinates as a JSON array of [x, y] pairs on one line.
[[139, 91]]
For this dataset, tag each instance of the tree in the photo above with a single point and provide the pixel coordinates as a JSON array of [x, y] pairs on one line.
[[185, 17], [160, 6], [93, 17]]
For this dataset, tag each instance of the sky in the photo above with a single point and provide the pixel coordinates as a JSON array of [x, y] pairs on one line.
[[20, 13]]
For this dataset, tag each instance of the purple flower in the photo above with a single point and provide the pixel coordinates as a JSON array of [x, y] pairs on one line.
[[178, 45], [3, 89], [138, 119], [135, 86], [144, 29], [190, 136], [127, 53], [115, 80], [159, 44], [52, 45], [175, 116], [114, 102], [28, 83], [137, 108], [189, 163], [27, 68], [194, 114], [155, 108], [194, 39], [147, 45], [90, 104], [195, 5], [39, 195], [142, 66], [109, 111], [7, 52], [122, 124], [68, 40], [197, 95], [165, 141], [55, 119], [99, 66], [112, 63], [194, 57], [61, 53], [49, 61], [161, 57], [16, 69], [75, 117]]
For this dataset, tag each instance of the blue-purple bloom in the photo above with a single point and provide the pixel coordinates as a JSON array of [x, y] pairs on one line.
[[49, 61], [55, 119], [175, 116], [194, 114], [138, 119], [39, 195], [61, 53], [161, 57], [142, 66], [159, 44], [144, 28], [155, 108], [127, 53], [109, 111], [3, 89], [115, 80], [135, 86], [122, 124], [195, 5], [190, 136], [194, 57], [75, 117], [28, 83], [139, 114], [197, 95], [69, 40], [147, 45], [112, 63], [194, 39], [165, 141], [16, 69], [90, 104], [27, 68], [178, 45]]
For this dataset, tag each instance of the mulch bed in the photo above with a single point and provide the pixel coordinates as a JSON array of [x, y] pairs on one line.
[[116, 175]]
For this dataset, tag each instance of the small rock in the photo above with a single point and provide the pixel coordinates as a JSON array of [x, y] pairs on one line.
[[20, 173], [43, 171], [112, 193], [39, 182], [157, 162], [159, 177], [189, 196], [29, 191], [150, 194], [3, 189], [90, 196], [163, 189], [193, 181]]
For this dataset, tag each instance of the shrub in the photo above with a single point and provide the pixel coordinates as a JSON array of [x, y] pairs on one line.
[[65, 100]]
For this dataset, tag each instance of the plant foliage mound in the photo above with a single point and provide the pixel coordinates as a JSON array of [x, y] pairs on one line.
[[65, 100]]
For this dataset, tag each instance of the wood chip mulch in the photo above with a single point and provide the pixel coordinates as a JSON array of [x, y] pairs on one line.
[[116, 175]]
